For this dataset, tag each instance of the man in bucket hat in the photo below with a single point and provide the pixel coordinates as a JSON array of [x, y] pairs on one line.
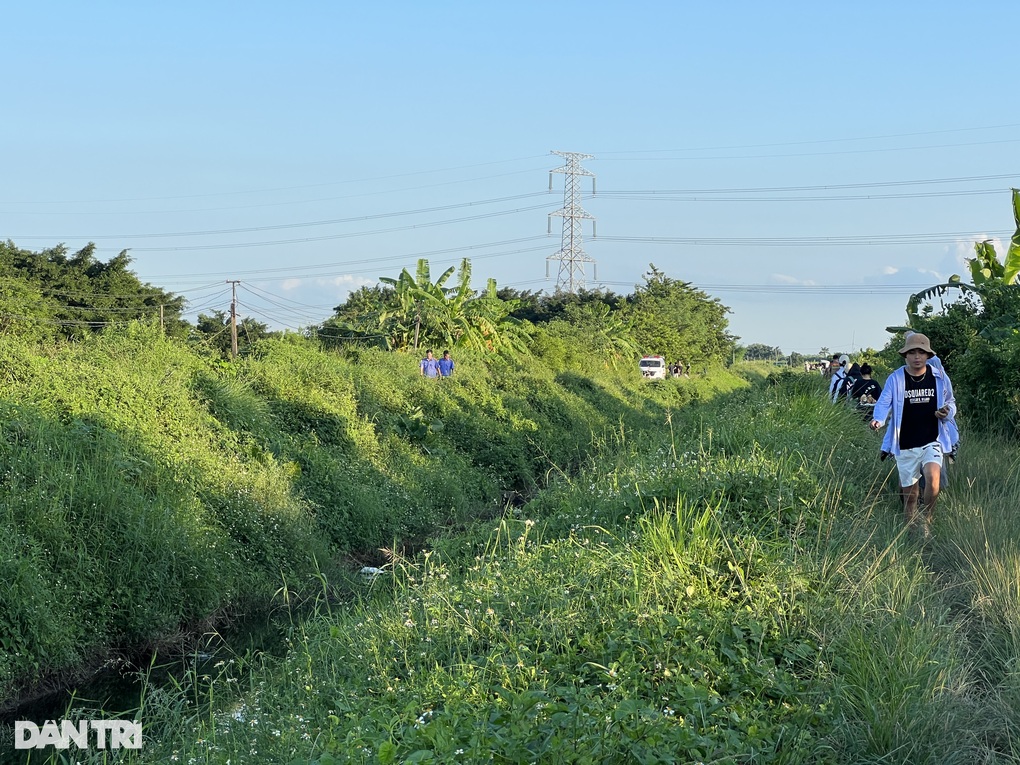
[[920, 398]]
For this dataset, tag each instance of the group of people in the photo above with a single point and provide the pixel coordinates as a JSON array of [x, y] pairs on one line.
[[679, 370], [435, 368], [918, 402], [918, 397], [853, 383]]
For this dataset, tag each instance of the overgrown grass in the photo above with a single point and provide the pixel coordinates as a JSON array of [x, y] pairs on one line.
[[148, 490], [726, 583], [734, 588]]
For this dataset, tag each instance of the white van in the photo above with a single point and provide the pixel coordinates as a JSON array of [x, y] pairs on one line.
[[652, 367]]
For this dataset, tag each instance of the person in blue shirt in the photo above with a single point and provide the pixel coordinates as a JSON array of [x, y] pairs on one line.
[[446, 365], [918, 397], [429, 366]]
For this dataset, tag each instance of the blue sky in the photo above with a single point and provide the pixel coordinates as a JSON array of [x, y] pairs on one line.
[[810, 166]]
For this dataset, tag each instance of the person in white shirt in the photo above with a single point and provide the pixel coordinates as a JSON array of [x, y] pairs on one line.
[[838, 377]]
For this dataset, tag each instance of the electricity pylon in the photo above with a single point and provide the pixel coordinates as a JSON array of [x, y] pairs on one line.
[[571, 256]]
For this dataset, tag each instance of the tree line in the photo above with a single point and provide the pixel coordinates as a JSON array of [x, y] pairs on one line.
[[663, 316], [56, 294]]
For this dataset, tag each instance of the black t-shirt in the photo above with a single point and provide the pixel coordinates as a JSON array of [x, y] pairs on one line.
[[865, 388], [919, 426]]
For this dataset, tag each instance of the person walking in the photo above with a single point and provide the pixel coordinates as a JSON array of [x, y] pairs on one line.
[[429, 366], [838, 379], [831, 365], [446, 365], [919, 398], [853, 376], [865, 392], [954, 431]]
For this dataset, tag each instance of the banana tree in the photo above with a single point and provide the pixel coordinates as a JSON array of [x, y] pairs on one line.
[[986, 270], [488, 324], [431, 313], [985, 267], [418, 297]]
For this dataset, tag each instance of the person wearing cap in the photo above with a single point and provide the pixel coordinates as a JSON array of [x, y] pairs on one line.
[[919, 398], [838, 377], [954, 431]]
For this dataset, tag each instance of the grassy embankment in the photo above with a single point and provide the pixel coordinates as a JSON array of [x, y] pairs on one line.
[[731, 588], [725, 585], [149, 492]]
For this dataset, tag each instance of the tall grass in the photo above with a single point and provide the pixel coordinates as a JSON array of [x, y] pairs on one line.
[[732, 587], [648, 612], [724, 582], [149, 491]]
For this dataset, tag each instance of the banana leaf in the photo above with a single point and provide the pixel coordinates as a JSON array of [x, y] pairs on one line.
[[937, 290], [1000, 329], [1012, 265]]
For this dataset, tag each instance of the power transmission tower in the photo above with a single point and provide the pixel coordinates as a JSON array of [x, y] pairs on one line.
[[571, 256]]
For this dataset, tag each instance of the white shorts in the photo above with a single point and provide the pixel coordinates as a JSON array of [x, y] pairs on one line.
[[909, 462]]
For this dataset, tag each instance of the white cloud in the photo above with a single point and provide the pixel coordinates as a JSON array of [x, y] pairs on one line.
[[909, 277], [326, 285], [347, 282], [963, 249], [786, 279]]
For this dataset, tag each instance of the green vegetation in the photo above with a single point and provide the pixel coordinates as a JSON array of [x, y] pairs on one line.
[[49, 294], [978, 335], [414, 312], [664, 316], [149, 490], [733, 587], [564, 562]]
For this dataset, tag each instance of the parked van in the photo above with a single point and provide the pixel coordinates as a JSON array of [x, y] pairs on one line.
[[653, 367]]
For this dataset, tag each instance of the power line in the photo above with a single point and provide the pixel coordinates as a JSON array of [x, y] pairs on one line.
[[283, 226], [293, 303], [818, 141], [816, 153], [193, 248], [812, 241], [308, 186], [362, 261], [408, 259], [795, 289], [662, 196], [822, 187]]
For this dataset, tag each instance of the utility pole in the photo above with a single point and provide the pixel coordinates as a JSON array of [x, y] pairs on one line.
[[571, 256], [233, 317]]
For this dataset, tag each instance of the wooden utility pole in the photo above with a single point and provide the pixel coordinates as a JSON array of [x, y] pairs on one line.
[[233, 317], [417, 322]]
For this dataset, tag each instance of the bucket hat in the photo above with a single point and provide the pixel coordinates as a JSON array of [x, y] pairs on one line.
[[917, 341]]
